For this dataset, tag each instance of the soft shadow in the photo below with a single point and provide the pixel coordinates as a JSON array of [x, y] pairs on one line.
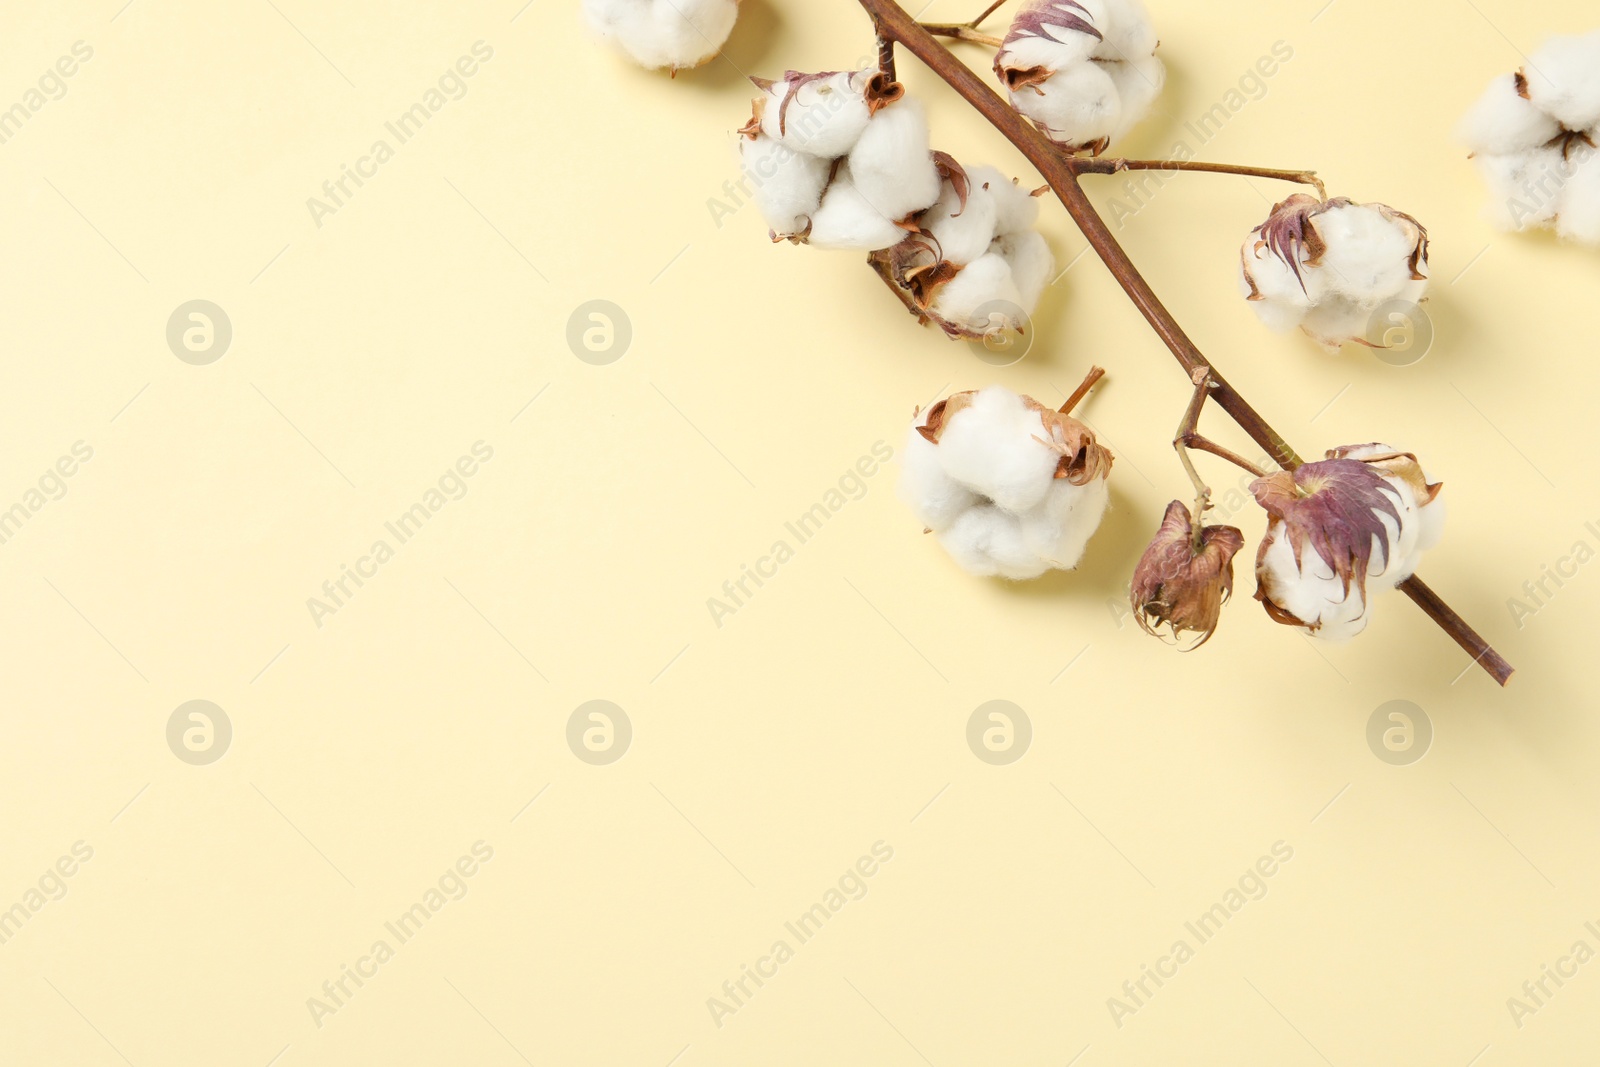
[[1107, 565], [1154, 137]]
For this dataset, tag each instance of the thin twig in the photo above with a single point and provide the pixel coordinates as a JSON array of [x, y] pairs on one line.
[[1180, 443], [893, 21], [962, 32], [1087, 165], [1205, 444], [1088, 383], [968, 31]]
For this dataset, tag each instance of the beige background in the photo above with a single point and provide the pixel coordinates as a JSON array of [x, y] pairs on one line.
[[830, 712]]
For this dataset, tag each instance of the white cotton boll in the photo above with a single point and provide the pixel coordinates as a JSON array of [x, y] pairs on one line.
[[1310, 591], [982, 296], [1008, 504], [989, 543], [825, 116], [962, 234], [1579, 206], [1421, 521], [663, 33], [1076, 106], [1053, 34], [892, 163], [1032, 264], [994, 446], [1564, 80], [1335, 322], [1129, 33], [1327, 267], [1368, 256], [1059, 529], [1015, 208], [1503, 121], [1431, 530], [787, 184], [933, 496], [1522, 188], [1139, 81], [1408, 517], [1283, 300], [1025, 53], [846, 220]]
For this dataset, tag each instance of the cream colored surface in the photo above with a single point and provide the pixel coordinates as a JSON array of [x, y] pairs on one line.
[[769, 754]]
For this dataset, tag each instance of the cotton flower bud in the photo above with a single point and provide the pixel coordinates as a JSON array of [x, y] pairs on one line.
[[1184, 577], [675, 34], [1340, 530], [1327, 266], [1008, 486], [1534, 138], [1084, 72]]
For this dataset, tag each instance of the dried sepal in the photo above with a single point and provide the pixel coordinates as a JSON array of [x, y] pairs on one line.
[[758, 108], [1181, 585], [882, 91], [1403, 466], [956, 175], [1290, 235], [1082, 457], [1335, 506]]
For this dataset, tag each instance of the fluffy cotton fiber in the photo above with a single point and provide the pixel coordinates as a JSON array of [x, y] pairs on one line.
[[842, 160], [1356, 526], [1327, 266], [1084, 71], [1533, 137], [838, 159], [1009, 487], [675, 34]]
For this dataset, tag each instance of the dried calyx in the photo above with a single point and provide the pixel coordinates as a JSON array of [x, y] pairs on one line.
[[1184, 577], [1327, 265], [1366, 514]]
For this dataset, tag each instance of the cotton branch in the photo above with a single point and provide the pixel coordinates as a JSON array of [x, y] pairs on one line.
[[1086, 165], [893, 23]]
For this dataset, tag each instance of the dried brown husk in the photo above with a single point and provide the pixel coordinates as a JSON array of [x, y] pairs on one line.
[[1180, 586]]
